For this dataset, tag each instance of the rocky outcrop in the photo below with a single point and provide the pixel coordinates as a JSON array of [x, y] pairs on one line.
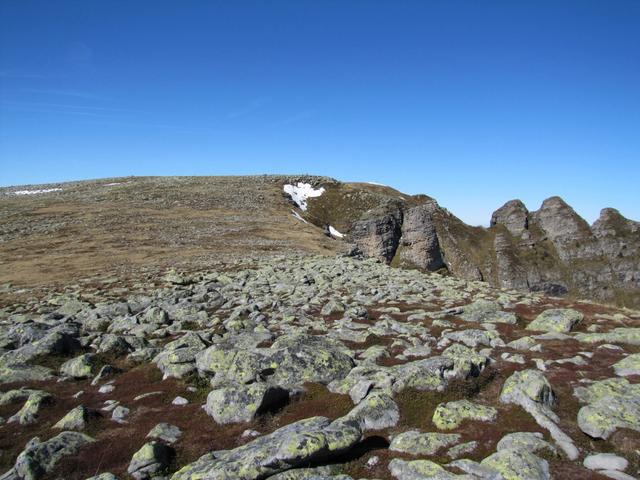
[[419, 246], [514, 216], [551, 250], [378, 231]]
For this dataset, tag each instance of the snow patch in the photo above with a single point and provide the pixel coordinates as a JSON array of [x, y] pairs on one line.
[[112, 184], [335, 233], [35, 192], [376, 183], [297, 215], [299, 193]]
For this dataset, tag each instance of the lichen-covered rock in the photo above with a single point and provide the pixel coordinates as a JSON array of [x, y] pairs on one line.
[[11, 396], [611, 404], [420, 470], [466, 361], [166, 432], [241, 403], [116, 345], [31, 408], [414, 442], [450, 415], [556, 320], [462, 449], [79, 367], [485, 311], [103, 476], [527, 384], [523, 343], [429, 374], [369, 375], [325, 472], [532, 391], [38, 458], [628, 366], [630, 336], [473, 337], [529, 441], [294, 445], [375, 412], [227, 363], [24, 373], [308, 358], [518, 464], [155, 315], [151, 459], [74, 420]]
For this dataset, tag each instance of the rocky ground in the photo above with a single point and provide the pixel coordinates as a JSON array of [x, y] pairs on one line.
[[314, 367]]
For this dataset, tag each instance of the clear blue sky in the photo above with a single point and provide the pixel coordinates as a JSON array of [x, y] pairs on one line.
[[472, 102]]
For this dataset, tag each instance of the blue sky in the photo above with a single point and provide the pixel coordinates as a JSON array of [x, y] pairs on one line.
[[474, 103]]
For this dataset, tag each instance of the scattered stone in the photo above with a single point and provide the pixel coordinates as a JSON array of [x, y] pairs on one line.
[[628, 366], [485, 311], [462, 449], [107, 388], [560, 320], [31, 408], [153, 458], [450, 415], [517, 464], [38, 458], [165, 432], [375, 412], [611, 404], [119, 414], [288, 447], [79, 367], [74, 420], [531, 390], [530, 441], [417, 443], [419, 470], [147, 395], [605, 461], [241, 403]]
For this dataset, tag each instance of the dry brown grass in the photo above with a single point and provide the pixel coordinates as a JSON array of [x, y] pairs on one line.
[[144, 226]]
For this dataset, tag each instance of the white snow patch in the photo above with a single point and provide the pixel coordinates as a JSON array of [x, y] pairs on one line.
[[35, 192], [297, 215], [299, 193], [112, 184], [335, 233], [376, 183]]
